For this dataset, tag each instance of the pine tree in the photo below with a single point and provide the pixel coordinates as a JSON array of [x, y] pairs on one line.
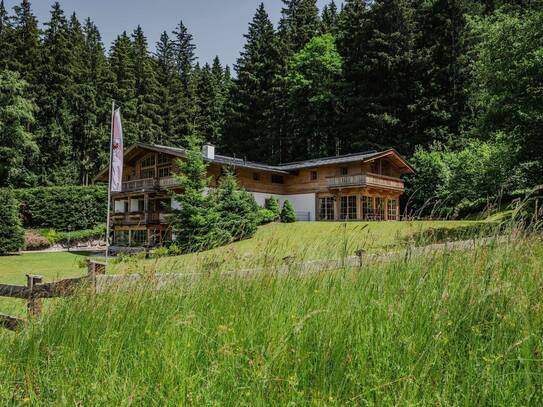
[[184, 52], [250, 126], [148, 123], [166, 75], [19, 146], [124, 85], [91, 101], [329, 18], [25, 43], [298, 24], [55, 92], [6, 38]]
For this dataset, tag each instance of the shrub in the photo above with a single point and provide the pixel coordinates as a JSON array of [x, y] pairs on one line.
[[11, 231], [63, 208], [287, 213], [272, 204], [35, 241], [266, 216], [238, 210]]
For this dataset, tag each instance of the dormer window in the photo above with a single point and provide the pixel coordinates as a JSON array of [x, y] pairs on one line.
[[344, 171], [313, 176]]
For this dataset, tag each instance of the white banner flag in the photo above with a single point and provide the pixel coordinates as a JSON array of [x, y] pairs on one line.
[[117, 153]]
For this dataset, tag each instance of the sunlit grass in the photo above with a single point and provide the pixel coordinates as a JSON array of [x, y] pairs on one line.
[[453, 328]]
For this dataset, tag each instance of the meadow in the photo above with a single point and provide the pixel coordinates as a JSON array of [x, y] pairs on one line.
[[454, 328]]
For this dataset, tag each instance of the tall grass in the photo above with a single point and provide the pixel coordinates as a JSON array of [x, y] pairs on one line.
[[452, 328]]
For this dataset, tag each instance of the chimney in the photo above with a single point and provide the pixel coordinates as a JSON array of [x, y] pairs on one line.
[[208, 151]]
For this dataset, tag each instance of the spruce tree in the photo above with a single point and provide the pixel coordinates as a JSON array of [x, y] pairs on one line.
[[298, 24], [329, 18], [18, 145], [250, 125], [6, 38], [184, 50], [124, 85], [55, 96], [148, 123], [25, 43]]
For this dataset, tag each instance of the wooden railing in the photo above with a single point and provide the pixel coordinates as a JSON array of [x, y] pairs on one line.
[[367, 179], [35, 291], [150, 184], [137, 218], [140, 185]]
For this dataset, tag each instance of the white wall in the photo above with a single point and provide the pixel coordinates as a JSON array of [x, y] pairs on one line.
[[134, 207], [301, 202]]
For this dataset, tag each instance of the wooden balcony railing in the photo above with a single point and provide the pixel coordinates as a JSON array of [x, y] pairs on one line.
[[365, 180], [150, 184], [138, 218]]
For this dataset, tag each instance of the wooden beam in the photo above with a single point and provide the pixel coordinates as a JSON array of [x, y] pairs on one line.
[[11, 323]]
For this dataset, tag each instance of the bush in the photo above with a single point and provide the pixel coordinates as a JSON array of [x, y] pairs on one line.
[[447, 234], [272, 204], [11, 231], [63, 208], [35, 241], [266, 216], [287, 213]]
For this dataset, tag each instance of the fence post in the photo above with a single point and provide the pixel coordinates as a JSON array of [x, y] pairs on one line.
[[95, 268], [34, 304]]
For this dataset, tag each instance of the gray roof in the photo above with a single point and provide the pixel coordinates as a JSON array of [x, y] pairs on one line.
[[284, 169]]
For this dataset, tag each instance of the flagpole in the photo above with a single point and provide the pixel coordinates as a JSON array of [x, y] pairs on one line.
[[109, 179]]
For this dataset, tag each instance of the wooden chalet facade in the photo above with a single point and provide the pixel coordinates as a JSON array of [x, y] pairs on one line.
[[364, 186]]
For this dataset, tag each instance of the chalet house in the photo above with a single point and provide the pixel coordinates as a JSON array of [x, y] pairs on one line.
[[360, 186]]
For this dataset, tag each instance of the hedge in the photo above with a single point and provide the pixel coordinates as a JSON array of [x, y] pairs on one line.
[[11, 232], [63, 208]]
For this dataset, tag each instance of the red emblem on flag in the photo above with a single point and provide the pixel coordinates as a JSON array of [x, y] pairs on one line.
[[115, 146]]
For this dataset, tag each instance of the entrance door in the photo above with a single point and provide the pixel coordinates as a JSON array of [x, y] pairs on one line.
[[347, 208]]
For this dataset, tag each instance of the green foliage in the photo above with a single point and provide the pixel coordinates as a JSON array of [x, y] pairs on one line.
[[68, 208], [63, 237], [287, 213], [506, 90], [272, 204], [196, 223], [449, 180], [17, 145], [11, 231], [266, 216]]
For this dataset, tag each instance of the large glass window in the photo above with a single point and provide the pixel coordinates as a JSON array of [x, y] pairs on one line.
[[139, 237], [392, 209], [367, 207], [148, 167], [347, 207], [326, 208], [380, 208], [120, 237]]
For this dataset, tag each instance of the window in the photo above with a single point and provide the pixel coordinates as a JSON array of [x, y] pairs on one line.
[[367, 207], [277, 179], [380, 208], [256, 176], [313, 176], [148, 167], [120, 237], [139, 237], [392, 209], [164, 159], [343, 171], [326, 208], [347, 207], [165, 171], [141, 205]]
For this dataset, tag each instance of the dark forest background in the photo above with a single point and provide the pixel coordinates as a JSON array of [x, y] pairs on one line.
[[456, 86]]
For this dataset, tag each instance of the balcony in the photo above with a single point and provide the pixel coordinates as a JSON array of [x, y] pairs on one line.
[[149, 184], [365, 180], [138, 218]]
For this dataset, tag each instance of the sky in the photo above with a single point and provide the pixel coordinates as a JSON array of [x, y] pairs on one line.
[[217, 25]]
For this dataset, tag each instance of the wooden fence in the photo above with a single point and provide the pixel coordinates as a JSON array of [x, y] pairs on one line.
[[35, 291]]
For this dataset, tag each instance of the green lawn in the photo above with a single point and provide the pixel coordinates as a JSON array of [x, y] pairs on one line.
[[272, 243], [51, 266], [442, 329], [301, 240]]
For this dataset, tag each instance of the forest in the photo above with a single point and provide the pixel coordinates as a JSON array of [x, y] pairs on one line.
[[456, 86]]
